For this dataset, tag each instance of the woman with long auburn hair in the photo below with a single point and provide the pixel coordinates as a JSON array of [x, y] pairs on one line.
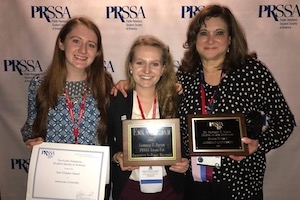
[[67, 104]]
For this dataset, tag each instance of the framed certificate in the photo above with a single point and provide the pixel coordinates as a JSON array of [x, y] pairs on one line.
[[217, 134], [68, 171], [151, 142]]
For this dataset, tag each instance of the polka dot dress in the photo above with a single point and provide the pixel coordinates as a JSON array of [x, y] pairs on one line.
[[250, 87]]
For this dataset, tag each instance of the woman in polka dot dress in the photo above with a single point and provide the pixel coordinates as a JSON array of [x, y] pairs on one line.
[[217, 67]]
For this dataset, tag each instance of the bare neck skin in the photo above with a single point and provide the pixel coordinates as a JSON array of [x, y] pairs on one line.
[[76, 76], [146, 97], [212, 73]]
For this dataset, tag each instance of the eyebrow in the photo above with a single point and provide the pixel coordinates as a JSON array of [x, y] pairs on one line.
[[75, 36], [144, 59], [215, 29]]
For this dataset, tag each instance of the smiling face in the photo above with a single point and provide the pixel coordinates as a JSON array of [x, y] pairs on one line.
[[80, 47], [146, 66], [213, 40]]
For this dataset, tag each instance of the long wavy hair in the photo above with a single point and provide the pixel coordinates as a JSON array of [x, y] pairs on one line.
[[238, 48], [165, 87], [53, 84]]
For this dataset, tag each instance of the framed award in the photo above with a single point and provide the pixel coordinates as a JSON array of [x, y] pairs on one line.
[[217, 134], [151, 142]]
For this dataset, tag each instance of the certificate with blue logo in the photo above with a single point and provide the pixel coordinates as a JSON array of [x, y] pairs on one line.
[[68, 171]]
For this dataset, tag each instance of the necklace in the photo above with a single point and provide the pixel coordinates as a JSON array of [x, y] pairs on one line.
[[75, 98]]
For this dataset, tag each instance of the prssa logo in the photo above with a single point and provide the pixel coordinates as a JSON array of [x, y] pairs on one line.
[[108, 66], [20, 164], [278, 11], [48, 153], [190, 11], [125, 12], [23, 67], [50, 12]]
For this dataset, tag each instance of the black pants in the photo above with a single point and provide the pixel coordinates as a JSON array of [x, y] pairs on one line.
[[210, 191], [107, 191]]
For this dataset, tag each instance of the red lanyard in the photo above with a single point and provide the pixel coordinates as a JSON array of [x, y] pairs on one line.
[[210, 104], [141, 109], [203, 100], [70, 107]]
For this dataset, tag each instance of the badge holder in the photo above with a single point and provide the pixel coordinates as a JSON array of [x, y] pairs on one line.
[[151, 179]]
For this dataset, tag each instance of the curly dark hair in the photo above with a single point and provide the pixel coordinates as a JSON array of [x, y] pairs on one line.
[[238, 49]]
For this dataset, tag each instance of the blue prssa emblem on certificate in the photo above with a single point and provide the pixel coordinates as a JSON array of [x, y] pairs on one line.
[[151, 142], [56, 169]]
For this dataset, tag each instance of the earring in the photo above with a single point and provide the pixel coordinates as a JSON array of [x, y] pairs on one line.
[[228, 50], [130, 71]]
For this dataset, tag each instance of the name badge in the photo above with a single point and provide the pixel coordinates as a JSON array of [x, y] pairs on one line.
[[151, 179], [214, 161]]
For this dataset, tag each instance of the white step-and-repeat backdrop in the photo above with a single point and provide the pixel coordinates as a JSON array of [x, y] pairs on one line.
[[27, 35]]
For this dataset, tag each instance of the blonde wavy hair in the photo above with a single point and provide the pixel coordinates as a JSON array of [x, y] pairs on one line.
[[165, 87]]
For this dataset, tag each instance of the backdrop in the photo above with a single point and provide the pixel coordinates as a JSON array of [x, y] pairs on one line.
[[29, 29]]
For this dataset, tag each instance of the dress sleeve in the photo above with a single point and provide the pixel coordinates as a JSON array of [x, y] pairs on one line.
[[26, 130], [281, 121]]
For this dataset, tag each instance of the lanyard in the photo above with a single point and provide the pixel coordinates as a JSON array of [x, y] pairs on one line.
[[210, 103], [204, 173], [70, 107], [141, 109]]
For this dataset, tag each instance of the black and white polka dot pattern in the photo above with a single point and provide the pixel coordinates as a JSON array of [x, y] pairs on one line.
[[248, 88]]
